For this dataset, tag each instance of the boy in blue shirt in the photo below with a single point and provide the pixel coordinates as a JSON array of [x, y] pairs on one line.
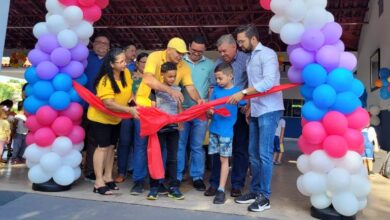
[[221, 128]]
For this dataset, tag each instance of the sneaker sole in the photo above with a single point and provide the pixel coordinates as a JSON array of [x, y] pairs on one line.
[[151, 198], [176, 198], [163, 193], [245, 202], [259, 209], [135, 193]]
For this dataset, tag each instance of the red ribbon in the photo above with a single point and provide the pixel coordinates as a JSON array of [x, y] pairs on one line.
[[152, 120]]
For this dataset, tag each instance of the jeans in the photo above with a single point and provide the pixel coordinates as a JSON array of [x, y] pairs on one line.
[[139, 158], [19, 145], [194, 131], [240, 156], [262, 132], [125, 146], [168, 141]]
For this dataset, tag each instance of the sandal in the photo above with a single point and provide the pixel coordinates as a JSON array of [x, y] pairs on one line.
[[112, 185], [102, 190]]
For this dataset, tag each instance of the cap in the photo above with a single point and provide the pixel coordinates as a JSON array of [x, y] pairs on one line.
[[178, 44]]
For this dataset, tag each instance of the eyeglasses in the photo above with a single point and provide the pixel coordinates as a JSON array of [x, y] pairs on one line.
[[101, 42], [196, 51]]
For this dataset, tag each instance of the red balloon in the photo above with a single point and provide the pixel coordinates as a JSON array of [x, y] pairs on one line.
[[354, 139], [358, 119], [102, 3], [30, 138], [304, 122], [69, 2], [86, 3], [62, 126], [266, 4], [46, 115], [92, 13], [335, 123], [77, 134], [44, 137], [32, 123], [335, 146], [74, 111], [314, 132], [306, 147]]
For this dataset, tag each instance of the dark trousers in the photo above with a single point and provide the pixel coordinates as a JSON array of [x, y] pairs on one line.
[[240, 157], [169, 141]]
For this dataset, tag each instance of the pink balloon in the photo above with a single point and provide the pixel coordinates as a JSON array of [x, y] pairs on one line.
[[304, 122], [46, 115], [74, 111], [32, 123], [348, 61], [77, 134], [86, 3], [62, 126], [266, 4], [102, 3], [335, 123], [92, 13], [30, 138], [306, 147], [358, 119], [294, 75], [335, 146], [299, 58], [69, 2], [354, 140], [314, 132], [44, 137]]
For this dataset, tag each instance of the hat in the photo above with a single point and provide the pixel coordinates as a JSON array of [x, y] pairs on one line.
[[178, 44]]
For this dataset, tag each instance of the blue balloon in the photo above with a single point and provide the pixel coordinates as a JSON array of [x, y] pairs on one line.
[[62, 82], [43, 89], [340, 79], [324, 96], [82, 79], [346, 102], [32, 104], [385, 83], [384, 73], [314, 75], [31, 75], [74, 97], [307, 92], [312, 113], [59, 100], [28, 91], [384, 93], [357, 87]]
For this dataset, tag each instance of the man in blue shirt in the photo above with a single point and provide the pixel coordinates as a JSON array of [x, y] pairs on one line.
[[263, 74], [227, 48], [194, 131], [130, 53]]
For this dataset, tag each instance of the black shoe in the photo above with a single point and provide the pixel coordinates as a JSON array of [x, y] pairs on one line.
[[90, 177], [137, 189], [260, 204], [246, 198], [219, 197], [153, 194], [175, 193], [235, 192], [199, 185], [210, 191], [162, 190]]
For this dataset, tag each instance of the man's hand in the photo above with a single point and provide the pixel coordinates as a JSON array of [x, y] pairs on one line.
[[176, 95], [234, 99], [201, 101]]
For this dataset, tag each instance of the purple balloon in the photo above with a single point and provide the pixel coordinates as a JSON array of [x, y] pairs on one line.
[[329, 57], [290, 48], [46, 70], [85, 63], [79, 52], [294, 75], [36, 56], [73, 69], [60, 56], [332, 32], [312, 39], [340, 45], [48, 42], [348, 61], [299, 58]]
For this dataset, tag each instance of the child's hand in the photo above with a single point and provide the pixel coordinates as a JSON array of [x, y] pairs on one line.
[[180, 126]]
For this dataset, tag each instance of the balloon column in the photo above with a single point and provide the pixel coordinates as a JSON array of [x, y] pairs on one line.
[[55, 136], [383, 83], [331, 140]]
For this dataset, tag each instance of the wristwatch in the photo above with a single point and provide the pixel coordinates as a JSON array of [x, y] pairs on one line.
[[245, 92]]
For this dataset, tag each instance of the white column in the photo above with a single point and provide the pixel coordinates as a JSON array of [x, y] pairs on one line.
[[4, 9]]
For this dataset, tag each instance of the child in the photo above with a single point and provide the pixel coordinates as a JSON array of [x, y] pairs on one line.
[[369, 136], [278, 142], [221, 128], [5, 132], [168, 135], [19, 143]]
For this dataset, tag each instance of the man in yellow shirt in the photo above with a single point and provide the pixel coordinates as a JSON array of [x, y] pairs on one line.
[[152, 79]]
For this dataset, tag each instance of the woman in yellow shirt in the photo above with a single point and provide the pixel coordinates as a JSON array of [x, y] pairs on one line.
[[114, 87], [5, 132]]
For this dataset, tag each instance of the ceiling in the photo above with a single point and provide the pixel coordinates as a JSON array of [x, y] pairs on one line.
[[149, 24]]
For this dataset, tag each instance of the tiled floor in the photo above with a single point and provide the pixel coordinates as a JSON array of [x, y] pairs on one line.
[[286, 201]]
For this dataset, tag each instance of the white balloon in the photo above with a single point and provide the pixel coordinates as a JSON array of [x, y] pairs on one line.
[[85, 41], [72, 159], [64, 176], [39, 29], [345, 203], [352, 162], [303, 163], [67, 38], [56, 23], [315, 18], [320, 201], [374, 120], [33, 153], [296, 10], [54, 7], [47, 16], [62, 146], [330, 17], [50, 162], [37, 175], [360, 186], [277, 22], [374, 110], [77, 173], [84, 30], [319, 161], [30, 164], [78, 146], [314, 183], [300, 187], [279, 6], [362, 204], [291, 33], [316, 3], [338, 180], [73, 15]]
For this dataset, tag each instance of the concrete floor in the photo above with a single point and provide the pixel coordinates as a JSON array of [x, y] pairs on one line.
[[286, 201]]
